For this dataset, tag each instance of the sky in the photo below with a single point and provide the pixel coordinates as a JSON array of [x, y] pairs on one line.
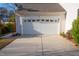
[[8, 6], [71, 9]]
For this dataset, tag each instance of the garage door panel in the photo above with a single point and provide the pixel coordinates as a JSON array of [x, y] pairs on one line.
[[29, 29], [49, 28], [40, 27]]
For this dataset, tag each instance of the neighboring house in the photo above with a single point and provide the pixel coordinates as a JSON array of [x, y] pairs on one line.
[[40, 18]]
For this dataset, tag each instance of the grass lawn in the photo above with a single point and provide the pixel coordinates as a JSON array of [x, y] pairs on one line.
[[5, 42]]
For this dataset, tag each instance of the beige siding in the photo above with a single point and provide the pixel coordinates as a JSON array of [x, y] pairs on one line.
[[62, 23]]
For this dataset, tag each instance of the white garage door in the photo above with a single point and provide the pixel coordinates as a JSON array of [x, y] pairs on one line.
[[41, 25]]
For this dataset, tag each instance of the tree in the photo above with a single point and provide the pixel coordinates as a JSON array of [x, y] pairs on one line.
[[75, 30], [0, 19], [11, 18], [3, 11], [1, 25]]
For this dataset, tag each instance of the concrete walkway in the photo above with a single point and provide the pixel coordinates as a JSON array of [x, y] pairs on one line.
[[39, 46]]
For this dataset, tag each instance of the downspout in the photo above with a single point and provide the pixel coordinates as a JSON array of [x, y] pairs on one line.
[[21, 23]]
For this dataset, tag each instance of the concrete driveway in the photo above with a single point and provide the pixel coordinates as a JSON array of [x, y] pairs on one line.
[[38, 46]]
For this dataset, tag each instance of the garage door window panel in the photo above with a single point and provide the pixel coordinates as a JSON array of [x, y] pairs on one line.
[[47, 20], [33, 20], [29, 20], [38, 20]]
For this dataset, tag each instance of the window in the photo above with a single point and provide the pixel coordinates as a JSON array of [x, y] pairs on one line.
[[29, 20], [58, 19], [25, 20], [33, 20], [38, 20], [42, 20], [47, 20], [51, 20], [55, 20]]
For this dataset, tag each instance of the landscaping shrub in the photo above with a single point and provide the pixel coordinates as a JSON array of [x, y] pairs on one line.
[[10, 27], [75, 30], [4, 30], [69, 35], [1, 27], [62, 34], [7, 28]]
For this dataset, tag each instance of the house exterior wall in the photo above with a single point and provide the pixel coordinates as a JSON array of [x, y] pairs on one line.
[[62, 23], [61, 15], [18, 25]]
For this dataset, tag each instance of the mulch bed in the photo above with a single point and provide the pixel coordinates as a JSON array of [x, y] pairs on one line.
[[5, 42]]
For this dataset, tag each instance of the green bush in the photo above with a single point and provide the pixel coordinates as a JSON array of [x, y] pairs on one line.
[[9, 26], [1, 27], [62, 34], [11, 18], [75, 30], [4, 30]]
